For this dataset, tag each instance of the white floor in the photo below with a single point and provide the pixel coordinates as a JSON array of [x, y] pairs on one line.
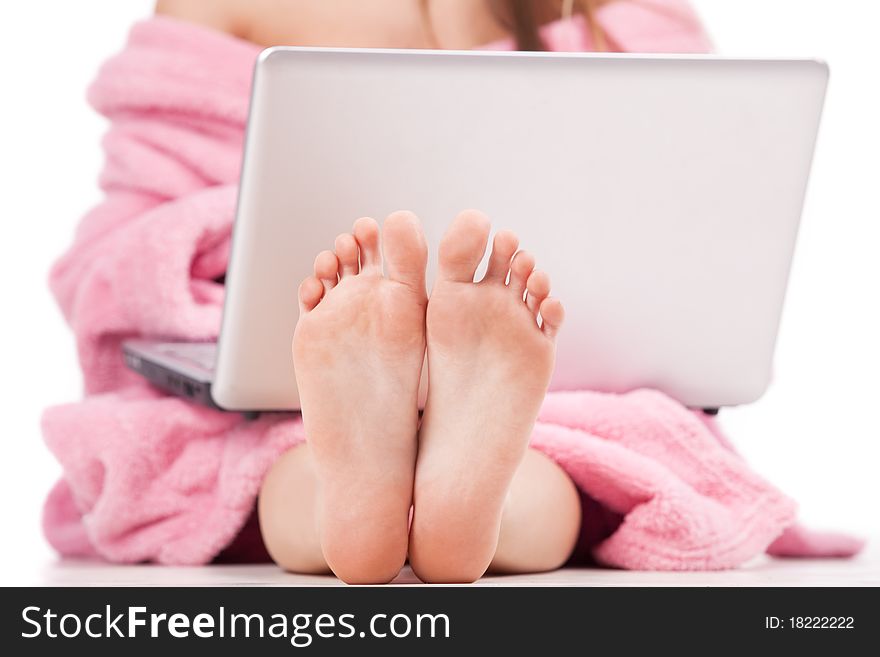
[[861, 571]]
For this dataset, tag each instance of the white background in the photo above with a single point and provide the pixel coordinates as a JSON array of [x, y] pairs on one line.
[[816, 431]]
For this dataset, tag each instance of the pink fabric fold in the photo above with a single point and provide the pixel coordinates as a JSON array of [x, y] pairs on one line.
[[148, 477]]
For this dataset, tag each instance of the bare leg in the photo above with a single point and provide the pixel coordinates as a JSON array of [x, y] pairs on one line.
[[539, 525], [480, 496], [541, 519], [287, 507]]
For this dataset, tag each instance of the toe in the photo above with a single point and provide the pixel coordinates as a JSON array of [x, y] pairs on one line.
[[327, 269], [366, 232], [463, 246], [503, 247], [310, 292], [538, 287], [520, 269], [552, 315], [347, 253], [405, 249]]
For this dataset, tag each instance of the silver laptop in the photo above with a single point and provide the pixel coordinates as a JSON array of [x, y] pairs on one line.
[[661, 193]]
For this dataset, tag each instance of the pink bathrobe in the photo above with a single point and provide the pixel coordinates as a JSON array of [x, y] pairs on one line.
[[149, 477]]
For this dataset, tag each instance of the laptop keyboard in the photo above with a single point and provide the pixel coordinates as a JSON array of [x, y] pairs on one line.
[[201, 354]]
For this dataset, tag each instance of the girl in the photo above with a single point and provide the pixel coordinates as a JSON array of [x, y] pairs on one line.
[[150, 477], [480, 498]]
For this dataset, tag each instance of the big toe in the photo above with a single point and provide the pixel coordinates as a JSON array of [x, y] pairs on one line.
[[405, 249], [463, 246]]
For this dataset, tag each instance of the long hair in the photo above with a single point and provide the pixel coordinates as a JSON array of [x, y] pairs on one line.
[[523, 18]]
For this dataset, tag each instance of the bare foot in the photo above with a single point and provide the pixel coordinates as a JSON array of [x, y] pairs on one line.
[[489, 361], [358, 350]]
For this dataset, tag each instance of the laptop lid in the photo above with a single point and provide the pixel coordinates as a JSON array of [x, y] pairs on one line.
[[661, 193]]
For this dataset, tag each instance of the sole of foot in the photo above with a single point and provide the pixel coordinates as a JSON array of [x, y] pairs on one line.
[[358, 351], [491, 352]]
